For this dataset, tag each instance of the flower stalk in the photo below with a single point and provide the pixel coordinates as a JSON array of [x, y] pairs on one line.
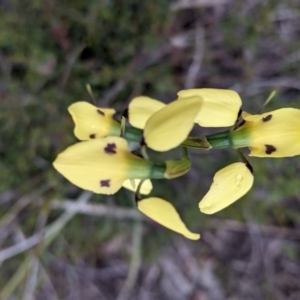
[[220, 140]]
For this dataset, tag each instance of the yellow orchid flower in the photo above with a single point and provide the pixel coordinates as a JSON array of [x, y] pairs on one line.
[[229, 184], [92, 122], [165, 214], [102, 165], [170, 126], [141, 108], [219, 108], [272, 134]]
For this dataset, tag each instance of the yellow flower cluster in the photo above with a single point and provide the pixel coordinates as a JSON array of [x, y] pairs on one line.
[[103, 162]]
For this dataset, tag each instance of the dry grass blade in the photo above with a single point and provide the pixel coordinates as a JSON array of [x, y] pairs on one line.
[[32, 280], [135, 262], [97, 210], [186, 4], [47, 235], [191, 77], [14, 281], [21, 204]]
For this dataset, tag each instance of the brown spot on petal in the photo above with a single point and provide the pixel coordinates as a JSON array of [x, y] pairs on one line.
[[105, 183], [92, 136], [267, 118], [110, 148], [270, 149], [100, 112]]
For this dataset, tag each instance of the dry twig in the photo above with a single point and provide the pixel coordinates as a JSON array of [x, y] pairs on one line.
[[47, 235], [96, 210], [135, 262]]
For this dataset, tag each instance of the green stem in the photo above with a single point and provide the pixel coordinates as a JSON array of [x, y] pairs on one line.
[[158, 170], [196, 142], [220, 140], [133, 134]]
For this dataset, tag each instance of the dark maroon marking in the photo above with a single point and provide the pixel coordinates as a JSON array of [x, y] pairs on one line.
[[267, 118], [249, 167], [110, 148], [143, 142], [239, 113], [241, 124], [270, 149], [105, 183], [92, 136], [100, 112], [136, 153], [125, 113]]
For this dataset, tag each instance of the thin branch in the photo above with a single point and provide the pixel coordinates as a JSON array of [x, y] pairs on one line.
[[14, 281], [70, 61], [97, 210], [135, 262], [202, 272], [195, 66], [32, 279], [142, 62], [21, 204], [132, 214], [268, 230], [188, 4], [47, 235], [49, 283]]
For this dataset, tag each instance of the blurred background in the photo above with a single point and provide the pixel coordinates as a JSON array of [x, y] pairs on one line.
[[59, 242]]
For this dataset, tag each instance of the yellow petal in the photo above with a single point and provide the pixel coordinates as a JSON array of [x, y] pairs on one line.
[[229, 184], [220, 107], [246, 116], [165, 214], [101, 165], [170, 126], [141, 109], [272, 134], [93, 122], [146, 187]]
